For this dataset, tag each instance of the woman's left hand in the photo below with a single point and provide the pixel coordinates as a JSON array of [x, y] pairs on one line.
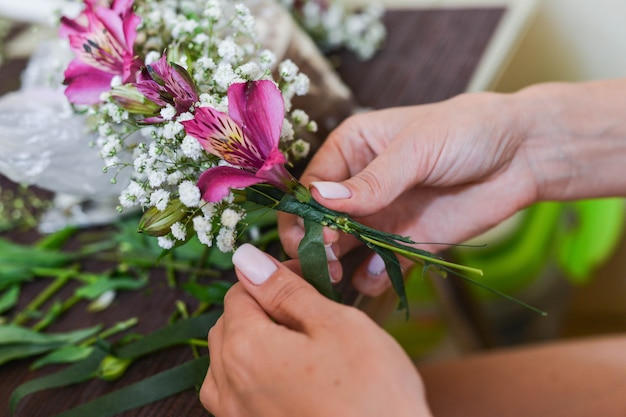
[[282, 349]]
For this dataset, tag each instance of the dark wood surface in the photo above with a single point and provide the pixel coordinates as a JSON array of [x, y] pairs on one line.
[[430, 55]]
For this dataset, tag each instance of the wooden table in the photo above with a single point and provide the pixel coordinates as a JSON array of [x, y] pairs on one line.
[[430, 55]]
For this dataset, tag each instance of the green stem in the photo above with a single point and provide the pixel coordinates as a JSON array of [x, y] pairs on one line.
[[56, 313], [117, 328], [415, 256], [62, 277], [197, 342]]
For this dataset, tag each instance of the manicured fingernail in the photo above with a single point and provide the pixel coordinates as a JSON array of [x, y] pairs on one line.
[[376, 266], [332, 190], [330, 254], [255, 264]]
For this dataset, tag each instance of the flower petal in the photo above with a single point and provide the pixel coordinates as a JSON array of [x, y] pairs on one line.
[[258, 107], [85, 84], [215, 183], [221, 136]]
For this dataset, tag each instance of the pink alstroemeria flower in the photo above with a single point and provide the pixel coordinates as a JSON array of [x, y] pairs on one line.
[[102, 39], [247, 138], [166, 83]]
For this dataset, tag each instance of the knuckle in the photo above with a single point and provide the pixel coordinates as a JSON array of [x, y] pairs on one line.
[[213, 336], [290, 290], [370, 183]]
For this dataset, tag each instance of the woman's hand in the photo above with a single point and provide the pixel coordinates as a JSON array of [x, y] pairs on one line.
[[282, 349], [449, 171], [439, 173]]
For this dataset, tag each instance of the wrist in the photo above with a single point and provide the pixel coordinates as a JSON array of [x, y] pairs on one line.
[[575, 140]]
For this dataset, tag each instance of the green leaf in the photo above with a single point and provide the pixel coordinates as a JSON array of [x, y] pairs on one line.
[[149, 390], [57, 239], [392, 265], [13, 334], [174, 334], [79, 372], [13, 274], [64, 354], [9, 298], [31, 256], [212, 293], [105, 283], [18, 342], [15, 351], [312, 255]]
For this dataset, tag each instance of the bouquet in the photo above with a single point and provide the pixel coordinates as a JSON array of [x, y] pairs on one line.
[[200, 114]]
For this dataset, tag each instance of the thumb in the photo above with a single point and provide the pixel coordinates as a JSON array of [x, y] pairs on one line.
[[372, 189], [282, 294]]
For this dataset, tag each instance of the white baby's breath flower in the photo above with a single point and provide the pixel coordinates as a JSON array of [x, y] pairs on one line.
[[288, 70], [302, 84], [133, 195], [249, 70], [170, 130], [111, 147], [287, 133], [213, 10], [156, 178], [230, 218], [205, 63], [299, 117], [226, 239], [202, 224], [179, 231], [152, 57], [244, 19], [205, 239], [168, 112], [184, 117], [201, 39], [159, 199], [228, 50], [189, 194], [267, 59], [175, 177], [208, 209], [191, 147], [224, 75], [165, 242], [300, 149]]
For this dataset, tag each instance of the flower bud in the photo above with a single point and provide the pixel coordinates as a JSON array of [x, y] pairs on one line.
[[155, 222], [301, 193], [131, 100], [112, 368]]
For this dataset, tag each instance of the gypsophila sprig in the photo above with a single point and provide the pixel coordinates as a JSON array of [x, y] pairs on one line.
[[333, 25], [171, 62]]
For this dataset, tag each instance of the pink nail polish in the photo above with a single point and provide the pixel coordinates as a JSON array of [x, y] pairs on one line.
[[332, 190], [376, 266], [254, 263]]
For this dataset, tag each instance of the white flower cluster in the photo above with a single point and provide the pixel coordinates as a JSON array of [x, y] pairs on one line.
[[215, 41], [333, 25]]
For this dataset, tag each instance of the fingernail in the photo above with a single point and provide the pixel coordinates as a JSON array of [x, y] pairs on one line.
[[330, 254], [332, 190], [376, 266], [253, 263]]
